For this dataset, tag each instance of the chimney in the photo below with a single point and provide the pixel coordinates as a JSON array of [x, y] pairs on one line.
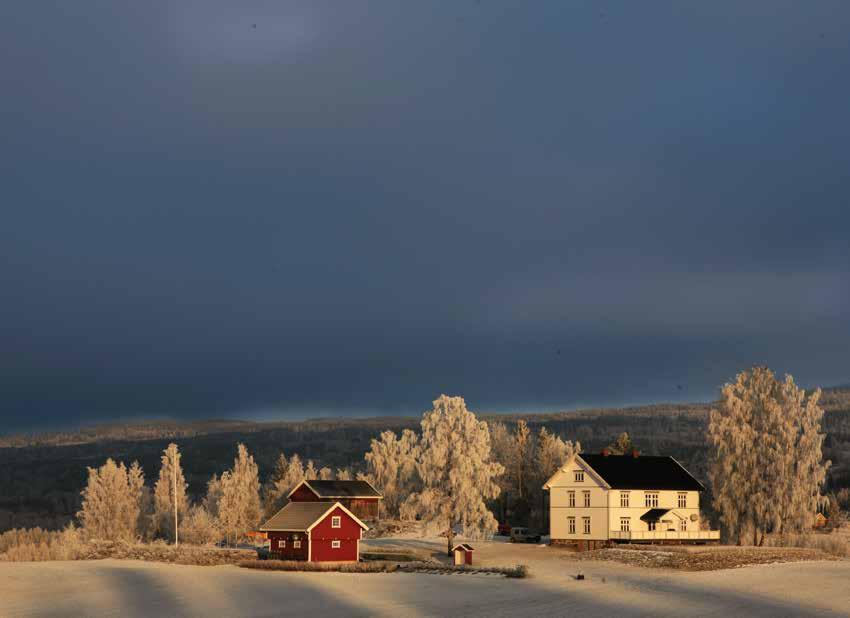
[[635, 453]]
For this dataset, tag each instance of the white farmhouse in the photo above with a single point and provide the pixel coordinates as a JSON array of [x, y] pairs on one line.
[[598, 499]]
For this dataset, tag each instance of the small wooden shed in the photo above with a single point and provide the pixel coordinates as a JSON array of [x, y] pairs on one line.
[[463, 553]]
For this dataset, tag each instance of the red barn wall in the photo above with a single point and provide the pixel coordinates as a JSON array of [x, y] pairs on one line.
[[289, 552], [348, 534], [303, 494]]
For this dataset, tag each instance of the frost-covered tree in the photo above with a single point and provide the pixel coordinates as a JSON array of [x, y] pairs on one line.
[[622, 445], [326, 474], [112, 501], [213, 497], [767, 467], [344, 474], [170, 502], [521, 463], [457, 472], [391, 466], [239, 504], [287, 474], [310, 472], [199, 527], [552, 452]]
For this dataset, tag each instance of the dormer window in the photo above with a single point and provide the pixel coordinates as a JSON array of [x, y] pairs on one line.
[[579, 476]]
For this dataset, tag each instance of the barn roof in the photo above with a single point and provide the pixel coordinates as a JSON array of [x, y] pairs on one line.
[[303, 516], [642, 472], [340, 489]]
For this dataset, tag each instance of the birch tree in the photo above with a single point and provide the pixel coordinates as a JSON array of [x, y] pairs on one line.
[[112, 498], [239, 504], [767, 467], [170, 502], [457, 472], [552, 452], [391, 465]]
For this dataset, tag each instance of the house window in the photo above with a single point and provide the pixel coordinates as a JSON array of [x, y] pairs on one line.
[[281, 544], [336, 521], [571, 525], [579, 476], [651, 499], [683, 500], [586, 498], [652, 526], [571, 498], [683, 525], [625, 524], [296, 544], [586, 521], [334, 544], [624, 499]]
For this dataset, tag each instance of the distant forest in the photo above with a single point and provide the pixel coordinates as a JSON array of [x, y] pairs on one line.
[[41, 476]]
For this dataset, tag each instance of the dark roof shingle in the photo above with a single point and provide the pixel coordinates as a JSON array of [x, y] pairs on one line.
[[642, 472], [343, 489]]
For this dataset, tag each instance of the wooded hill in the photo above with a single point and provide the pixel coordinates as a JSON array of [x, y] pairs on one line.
[[41, 476]]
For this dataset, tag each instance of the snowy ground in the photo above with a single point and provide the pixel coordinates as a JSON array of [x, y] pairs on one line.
[[132, 588]]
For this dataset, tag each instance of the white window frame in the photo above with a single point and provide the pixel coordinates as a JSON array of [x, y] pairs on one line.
[[624, 499], [682, 500], [586, 498], [571, 499], [625, 524], [336, 521], [571, 525], [652, 526], [651, 499], [579, 476], [335, 544], [296, 544], [586, 524], [683, 525], [281, 543]]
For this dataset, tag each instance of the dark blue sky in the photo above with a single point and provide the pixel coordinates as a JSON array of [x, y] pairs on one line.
[[285, 209]]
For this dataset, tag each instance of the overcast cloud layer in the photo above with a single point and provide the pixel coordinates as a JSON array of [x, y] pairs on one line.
[[285, 209]]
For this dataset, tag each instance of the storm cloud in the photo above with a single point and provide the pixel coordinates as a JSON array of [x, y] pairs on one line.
[[286, 209]]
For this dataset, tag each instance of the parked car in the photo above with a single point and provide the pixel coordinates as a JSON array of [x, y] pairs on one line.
[[524, 535], [504, 530]]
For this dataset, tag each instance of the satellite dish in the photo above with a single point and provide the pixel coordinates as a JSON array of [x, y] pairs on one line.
[[694, 517]]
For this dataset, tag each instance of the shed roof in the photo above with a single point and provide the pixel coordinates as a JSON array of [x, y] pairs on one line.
[[340, 489], [463, 546], [642, 472], [302, 516]]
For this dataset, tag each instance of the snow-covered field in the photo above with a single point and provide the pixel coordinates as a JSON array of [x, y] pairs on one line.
[[132, 588]]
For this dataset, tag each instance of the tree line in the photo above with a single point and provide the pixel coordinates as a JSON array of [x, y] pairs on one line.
[[460, 474]]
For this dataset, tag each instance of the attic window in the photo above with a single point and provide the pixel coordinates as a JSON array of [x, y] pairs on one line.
[[336, 521], [579, 476]]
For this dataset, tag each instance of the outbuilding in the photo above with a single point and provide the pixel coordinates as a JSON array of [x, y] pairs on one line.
[[359, 497], [463, 553], [314, 532]]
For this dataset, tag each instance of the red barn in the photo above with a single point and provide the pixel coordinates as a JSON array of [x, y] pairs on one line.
[[357, 496], [315, 532]]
